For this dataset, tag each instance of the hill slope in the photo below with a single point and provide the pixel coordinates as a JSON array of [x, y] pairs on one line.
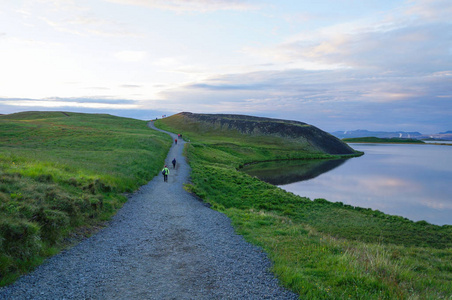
[[283, 132], [62, 172]]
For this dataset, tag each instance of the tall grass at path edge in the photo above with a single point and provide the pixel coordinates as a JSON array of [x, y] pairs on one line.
[[63, 175]]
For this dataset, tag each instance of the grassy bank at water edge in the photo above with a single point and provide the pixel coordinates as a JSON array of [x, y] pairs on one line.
[[62, 174], [321, 250]]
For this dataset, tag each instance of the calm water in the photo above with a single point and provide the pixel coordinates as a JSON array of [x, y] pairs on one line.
[[413, 181]]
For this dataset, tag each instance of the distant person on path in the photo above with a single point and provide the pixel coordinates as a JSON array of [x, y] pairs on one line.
[[175, 141], [165, 172], [174, 163]]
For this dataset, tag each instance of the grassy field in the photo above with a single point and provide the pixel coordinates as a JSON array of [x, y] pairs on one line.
[[321, 250], [62, 175]]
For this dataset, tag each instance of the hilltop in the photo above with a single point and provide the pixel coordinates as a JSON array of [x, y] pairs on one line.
[[282, 133]]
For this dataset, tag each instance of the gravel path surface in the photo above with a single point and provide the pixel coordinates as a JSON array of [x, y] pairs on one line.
[[163, 244]]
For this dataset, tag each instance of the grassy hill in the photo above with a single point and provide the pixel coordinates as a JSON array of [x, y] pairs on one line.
[[321, 250], [62, 174], [269, 132], [265, 138]]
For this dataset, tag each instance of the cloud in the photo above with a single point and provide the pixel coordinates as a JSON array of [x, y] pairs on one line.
[[416, 38], [430, 10], [420, 48], [325, 98], [131, 56], [76, 102], [73, 18], [103, 100], [130, 86], [299, 17], [101, 88], [224, 87], [309, 85], [389, 67], [190, 5], [83, 26]]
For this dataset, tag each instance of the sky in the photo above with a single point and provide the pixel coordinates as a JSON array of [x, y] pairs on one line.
[[336, 64]]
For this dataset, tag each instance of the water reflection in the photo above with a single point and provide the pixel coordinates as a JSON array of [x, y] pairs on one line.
[[412, 181], [286, 172]]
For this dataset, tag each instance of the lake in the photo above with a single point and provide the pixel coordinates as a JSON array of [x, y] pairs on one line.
[[412, 181]]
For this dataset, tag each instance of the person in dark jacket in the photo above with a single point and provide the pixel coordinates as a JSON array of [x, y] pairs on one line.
[[174, 163]]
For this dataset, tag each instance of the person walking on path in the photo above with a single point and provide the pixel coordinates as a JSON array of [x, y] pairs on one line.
[[165, 172], [174, 163], [175, 141]]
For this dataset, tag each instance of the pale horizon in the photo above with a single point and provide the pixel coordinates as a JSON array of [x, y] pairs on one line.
[[337, 65]]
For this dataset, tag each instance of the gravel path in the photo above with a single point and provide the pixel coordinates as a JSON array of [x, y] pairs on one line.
[[163, 244]]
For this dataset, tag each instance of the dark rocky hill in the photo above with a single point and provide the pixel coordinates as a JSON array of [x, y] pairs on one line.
[[317, 139]]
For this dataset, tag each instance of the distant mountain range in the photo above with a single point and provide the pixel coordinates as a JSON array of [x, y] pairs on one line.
[[398, 134]]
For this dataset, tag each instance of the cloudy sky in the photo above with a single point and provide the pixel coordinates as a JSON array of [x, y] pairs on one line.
[[336, 64]]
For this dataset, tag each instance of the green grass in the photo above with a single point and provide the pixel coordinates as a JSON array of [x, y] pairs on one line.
[[62, 174], [321, 250], [382, 140]]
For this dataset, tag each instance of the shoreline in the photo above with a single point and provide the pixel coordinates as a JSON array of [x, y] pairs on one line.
[[437, 144]]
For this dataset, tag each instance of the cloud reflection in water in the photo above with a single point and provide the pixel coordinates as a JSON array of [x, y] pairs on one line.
[[412, 181]]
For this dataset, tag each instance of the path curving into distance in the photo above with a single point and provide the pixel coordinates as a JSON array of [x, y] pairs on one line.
[[162, 244]]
